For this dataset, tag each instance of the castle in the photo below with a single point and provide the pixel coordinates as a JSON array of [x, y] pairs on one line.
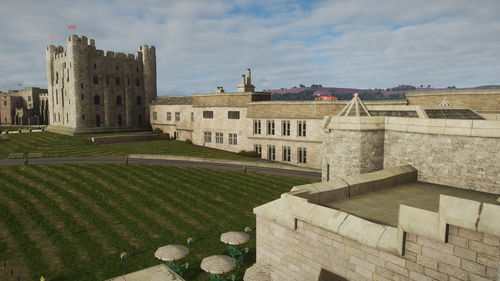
[[90, 91], [24, 107]]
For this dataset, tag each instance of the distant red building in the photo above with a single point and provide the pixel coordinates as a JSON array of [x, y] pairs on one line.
[[324, 98]]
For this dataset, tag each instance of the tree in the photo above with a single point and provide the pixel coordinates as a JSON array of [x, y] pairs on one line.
[[302, 86]]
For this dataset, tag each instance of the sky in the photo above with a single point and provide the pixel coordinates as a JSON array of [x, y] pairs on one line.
[[202, 44]]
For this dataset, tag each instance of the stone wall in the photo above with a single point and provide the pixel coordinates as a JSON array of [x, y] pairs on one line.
[[466, 162], [228, 99], [313, 253]]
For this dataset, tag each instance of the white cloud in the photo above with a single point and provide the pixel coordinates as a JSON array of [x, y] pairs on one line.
[[203, 44]]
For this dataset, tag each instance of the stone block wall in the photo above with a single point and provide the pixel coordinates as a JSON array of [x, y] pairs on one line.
[[310, 252], [461, 161]]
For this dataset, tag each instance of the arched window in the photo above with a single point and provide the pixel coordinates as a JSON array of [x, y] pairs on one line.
[[118, 100], [119, 120], [139, 119], [98, 121], [97, 99], [57, 77], [138, 100]]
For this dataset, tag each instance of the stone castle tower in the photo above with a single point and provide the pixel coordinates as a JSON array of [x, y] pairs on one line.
[[91, 91]]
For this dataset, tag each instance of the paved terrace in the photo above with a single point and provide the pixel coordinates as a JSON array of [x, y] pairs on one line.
[[382, 206]]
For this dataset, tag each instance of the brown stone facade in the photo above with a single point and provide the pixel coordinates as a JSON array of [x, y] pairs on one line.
[[312, 253]]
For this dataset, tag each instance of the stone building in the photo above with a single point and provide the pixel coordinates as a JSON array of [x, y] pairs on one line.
[[90, 91], [24, 107], [285, 131], [414, 197]]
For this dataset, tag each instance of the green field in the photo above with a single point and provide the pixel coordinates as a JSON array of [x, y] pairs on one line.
[[80, 146], [70, 222]]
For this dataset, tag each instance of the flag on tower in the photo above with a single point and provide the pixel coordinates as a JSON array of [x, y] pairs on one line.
[[72, 26], [52, 38], [19, 84]]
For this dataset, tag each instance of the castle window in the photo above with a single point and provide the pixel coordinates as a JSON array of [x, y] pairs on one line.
[[256, 127], [54, 117], [233, 115], [137, 82], [98, 120], [286, 154], [107, 80], [128, 81], [81, 85], [207, 137], [57, 98], [258, 150], [119, 120], [64, 65], [83, 116], [208, 114], [302, 155], [271, 152], [233, 139], [29, 98], [117, 68], [57, 77], [177, 116], [67, 117], [97, 99], [155, 115], [138, 100], [301, 128], [270, 127], [58, 117], [83, 96], [169, 116], [219, 138], [139, 119], [96, 80], [137, 69], [192, 116], [117, 81], [95, 66], [118, 100], [5, 103], [285, 128]]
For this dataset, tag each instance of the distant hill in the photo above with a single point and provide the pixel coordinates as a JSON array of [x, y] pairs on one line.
[[308, 93]]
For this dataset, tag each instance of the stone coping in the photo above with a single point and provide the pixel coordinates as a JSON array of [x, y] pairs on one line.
[[366, 102], [223, 161], [155, 273], [300, 204], [456, 92], [229, 94], [455, 127]]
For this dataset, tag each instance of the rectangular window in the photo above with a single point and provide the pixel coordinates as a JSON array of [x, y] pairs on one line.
[[271, 152], [137, 82], [233, 139], [301, 128], [258, 150], [96, 80], [233, 115], [155, 115], [117, 81], [256, 127], [302, 155], [29, 98], [219, 138], [83, 116], [285, 128], [270, 127], [81, 85], [177, 116], [207, 137], [208, 114], [286, 154], [192, 116], [107, 80], [67, 117], [169, 116]]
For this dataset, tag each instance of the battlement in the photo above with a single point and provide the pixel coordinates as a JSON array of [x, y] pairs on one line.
[[75, 40], [145, 48]]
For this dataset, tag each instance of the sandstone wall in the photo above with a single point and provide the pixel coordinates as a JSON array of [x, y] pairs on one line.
[[312, 253], [460, 161], [228, 99]]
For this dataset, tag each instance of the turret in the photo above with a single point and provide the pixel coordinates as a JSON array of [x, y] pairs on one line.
[[148, 55]]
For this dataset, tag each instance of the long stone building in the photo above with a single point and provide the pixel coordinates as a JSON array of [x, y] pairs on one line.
[[287, 131], [90, 91], [24, 107]]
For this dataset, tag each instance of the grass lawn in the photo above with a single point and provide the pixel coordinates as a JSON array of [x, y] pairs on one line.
[[70, 222], [80, 146]]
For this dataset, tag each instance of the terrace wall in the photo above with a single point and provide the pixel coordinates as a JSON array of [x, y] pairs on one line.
[[313, 253]]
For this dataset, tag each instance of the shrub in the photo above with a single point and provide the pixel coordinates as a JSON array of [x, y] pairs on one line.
[[248, 153], [188, 141], [158, 131]]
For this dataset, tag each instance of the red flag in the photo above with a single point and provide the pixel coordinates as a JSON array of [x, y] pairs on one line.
[[72, 26], [19, 84], [52, 38]]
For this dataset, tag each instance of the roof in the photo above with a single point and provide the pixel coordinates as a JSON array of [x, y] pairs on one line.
[[173, 100], [355, 108]]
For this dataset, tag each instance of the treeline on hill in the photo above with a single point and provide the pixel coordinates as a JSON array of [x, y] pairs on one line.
[[309, 95]]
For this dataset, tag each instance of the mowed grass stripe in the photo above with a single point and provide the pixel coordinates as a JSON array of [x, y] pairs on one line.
[[39, 230], [131, 210], [186, 192], [152, 191], [95, 207]]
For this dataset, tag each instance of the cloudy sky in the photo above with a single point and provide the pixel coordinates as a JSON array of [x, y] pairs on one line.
[[202, 44]]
